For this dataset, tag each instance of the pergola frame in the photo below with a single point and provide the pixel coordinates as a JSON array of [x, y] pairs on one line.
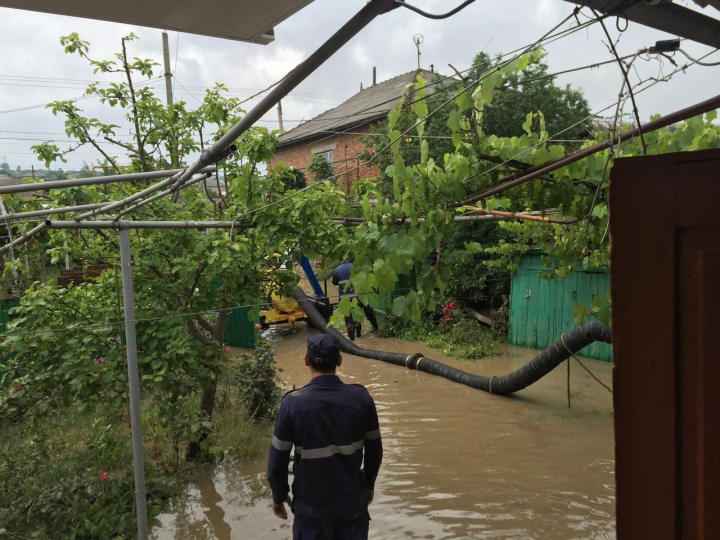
[[178, 179]]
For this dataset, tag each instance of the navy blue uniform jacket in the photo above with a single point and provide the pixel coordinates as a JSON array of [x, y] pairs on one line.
[[330, 424]]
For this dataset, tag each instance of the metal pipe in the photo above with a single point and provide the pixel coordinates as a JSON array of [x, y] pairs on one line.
[[148, 224], [81, 207], [133, 383], [60, 210], [25, 237], [62, 184], [363, 17], [160, 195], [667, 120]]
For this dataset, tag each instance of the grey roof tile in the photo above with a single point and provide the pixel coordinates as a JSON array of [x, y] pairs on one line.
[[368, 104]]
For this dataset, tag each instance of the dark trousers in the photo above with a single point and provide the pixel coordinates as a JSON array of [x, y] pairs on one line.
[[337, 528], [353, 328]]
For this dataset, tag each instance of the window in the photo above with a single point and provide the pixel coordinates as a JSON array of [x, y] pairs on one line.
[[327, 156]]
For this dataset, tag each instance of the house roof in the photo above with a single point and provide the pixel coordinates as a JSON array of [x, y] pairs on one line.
[[369, 104]]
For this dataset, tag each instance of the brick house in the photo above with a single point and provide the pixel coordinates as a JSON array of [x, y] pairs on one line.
[[335, 134]]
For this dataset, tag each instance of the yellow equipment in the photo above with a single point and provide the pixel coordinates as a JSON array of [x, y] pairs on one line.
[[284, 310]]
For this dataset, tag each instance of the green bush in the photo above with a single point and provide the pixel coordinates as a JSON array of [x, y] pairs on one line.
[[253, 382], [449, 329], [71, 476]]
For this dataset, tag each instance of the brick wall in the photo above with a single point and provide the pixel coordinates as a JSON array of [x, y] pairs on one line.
[[346, 148], [80, 274]]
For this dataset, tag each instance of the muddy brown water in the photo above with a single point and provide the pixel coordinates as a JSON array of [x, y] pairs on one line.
[[459, 463]]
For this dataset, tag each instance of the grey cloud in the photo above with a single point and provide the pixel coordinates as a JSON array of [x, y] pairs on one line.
[[31, 48]]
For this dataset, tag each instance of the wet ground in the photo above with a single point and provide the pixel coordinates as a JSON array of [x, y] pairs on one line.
[[459, 463]]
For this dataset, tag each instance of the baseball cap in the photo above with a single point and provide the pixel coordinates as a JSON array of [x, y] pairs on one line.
[[323, 349]]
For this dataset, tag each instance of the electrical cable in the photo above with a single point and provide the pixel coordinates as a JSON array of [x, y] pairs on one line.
[[456, 83], [549, 34], [430, 114], [402, 3], [624, 72], [705, 64], [217, 310], [594, 114]]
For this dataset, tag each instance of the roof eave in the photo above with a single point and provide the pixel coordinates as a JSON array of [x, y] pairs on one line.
[[324, 134]]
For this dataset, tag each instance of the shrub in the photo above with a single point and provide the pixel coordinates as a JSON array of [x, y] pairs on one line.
[[253, 382], [449, 328]]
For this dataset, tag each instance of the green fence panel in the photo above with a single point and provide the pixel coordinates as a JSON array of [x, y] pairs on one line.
[[240, 327], [5, 318], [541, 310], [403, 286], [5, 307]]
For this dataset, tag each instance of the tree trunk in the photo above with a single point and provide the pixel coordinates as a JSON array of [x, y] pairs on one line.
[[207, 397]]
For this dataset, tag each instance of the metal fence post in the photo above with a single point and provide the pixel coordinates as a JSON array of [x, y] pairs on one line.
[[133, 383]]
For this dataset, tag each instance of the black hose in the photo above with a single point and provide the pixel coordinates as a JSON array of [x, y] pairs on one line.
[[533, 371]]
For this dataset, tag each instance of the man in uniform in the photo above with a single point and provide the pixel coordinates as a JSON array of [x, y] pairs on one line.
[[330, 424], [341, 276]]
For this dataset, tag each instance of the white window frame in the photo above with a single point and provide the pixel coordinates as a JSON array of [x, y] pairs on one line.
[[327, 155]]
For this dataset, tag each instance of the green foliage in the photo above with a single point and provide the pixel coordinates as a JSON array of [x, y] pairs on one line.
[[72, 477], [320, 168], [291, 177], [185, 280], [413, 230], [449, 329], [600, 309], [561, 107], [253, 382]]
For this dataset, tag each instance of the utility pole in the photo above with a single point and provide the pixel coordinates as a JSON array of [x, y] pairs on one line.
[[280, 116], [168, 73], [418, 39], [169, 94]]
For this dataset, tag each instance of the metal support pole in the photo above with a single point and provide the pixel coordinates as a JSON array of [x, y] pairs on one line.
[[550, 166], [280, 120], [133, 384], [168, 73], [63, 184]]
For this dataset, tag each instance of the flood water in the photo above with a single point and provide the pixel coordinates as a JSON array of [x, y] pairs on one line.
[[458, 463]]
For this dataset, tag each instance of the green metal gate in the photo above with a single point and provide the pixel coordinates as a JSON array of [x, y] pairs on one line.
[[541, 309], [403, 286], [5, 306], [240, 328]]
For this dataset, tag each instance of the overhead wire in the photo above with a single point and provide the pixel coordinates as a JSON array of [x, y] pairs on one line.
[[217, 310], [430, 114], [497, 66], [456, 83], [401, 3], [596, 113]]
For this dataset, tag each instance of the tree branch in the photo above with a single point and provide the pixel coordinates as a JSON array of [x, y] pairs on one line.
[[133, 99]]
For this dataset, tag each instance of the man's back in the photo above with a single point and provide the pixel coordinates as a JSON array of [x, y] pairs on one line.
[[341, 276], [330, 424]]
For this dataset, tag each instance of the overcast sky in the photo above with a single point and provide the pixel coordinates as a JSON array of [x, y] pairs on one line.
[[34, 69]]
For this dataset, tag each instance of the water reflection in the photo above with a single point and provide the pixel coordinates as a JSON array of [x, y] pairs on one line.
[[459, 463]]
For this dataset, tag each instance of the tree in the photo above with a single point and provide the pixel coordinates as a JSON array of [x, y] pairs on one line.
[[4, 167], [321, 168], [412, 232], [187, 281], [504, 115], [532, 90]]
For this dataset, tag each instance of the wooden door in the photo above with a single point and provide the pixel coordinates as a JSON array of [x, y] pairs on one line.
[[665, 282]]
